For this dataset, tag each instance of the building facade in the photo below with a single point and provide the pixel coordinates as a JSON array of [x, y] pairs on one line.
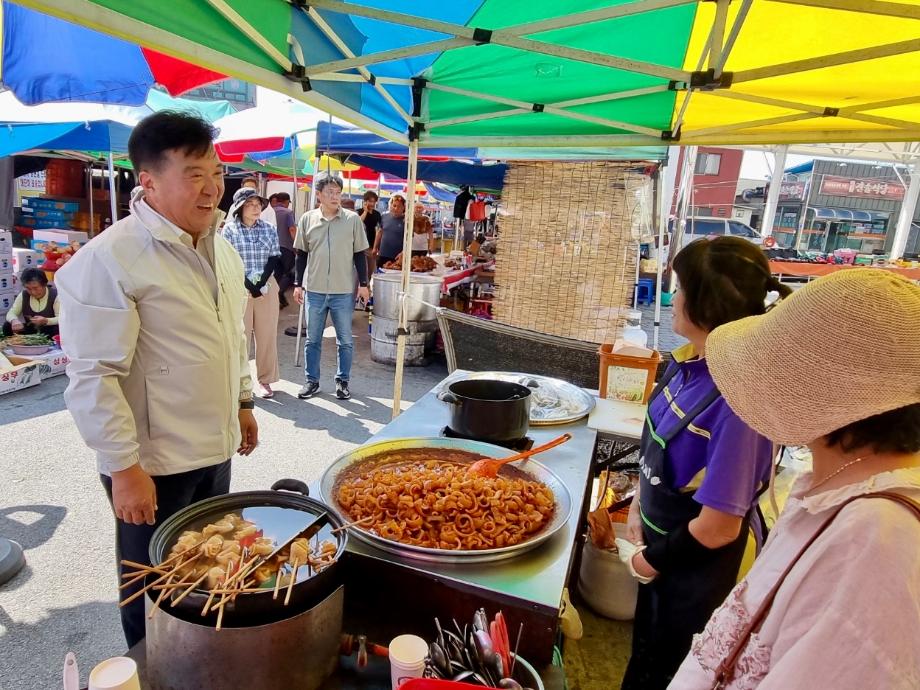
[[826, 205]]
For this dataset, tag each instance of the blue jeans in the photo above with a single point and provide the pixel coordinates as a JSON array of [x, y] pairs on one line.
[[341, 308]]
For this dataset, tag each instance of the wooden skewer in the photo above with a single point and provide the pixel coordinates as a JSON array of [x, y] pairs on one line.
[[207, 604], [352, 524], [277, 584], [191, 587], [220, 614], [160, 579], [141, 566], [245, 590], [156, 604], [287, 597], [135, 578]]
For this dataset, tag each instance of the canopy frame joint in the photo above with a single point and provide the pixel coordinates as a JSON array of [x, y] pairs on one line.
[[298, 73], [706, 80], [482, 36]]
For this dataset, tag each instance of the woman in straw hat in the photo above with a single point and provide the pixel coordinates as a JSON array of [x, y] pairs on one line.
[[701, 466], [832, 602]]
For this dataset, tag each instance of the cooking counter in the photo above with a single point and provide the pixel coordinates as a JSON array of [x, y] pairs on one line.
[[528, 587]]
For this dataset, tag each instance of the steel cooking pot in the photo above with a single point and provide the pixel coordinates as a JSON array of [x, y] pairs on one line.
[[277, 512], [488, 410]]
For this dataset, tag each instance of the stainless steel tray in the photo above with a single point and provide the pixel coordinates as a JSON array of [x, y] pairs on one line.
[[553, 401], [536, 470]]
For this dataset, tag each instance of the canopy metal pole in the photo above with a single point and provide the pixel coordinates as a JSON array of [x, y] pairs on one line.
[[294, 172], [906, 216], [300, 312], [776, 182], [406, 275], [112, 194], [92, 217], [666, 177]]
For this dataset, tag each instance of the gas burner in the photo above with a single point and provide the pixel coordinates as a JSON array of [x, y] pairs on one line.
[[520, 444]]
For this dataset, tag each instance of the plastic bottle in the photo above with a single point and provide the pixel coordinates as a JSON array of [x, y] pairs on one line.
[[632, 332]]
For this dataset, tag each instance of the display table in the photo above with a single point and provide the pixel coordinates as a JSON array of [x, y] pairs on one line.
[[463, 276], [803, 270]]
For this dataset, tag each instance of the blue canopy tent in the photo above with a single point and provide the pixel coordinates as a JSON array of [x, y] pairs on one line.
[[102, 135]]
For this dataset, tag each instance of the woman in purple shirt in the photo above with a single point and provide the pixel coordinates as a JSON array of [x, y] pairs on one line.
[[701, 467]]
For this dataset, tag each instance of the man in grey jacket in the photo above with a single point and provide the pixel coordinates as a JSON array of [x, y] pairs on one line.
[[151, 320]]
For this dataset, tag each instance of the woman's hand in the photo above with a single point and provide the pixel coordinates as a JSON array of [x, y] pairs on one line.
[[634, 523], [39, 320], [16, 326]]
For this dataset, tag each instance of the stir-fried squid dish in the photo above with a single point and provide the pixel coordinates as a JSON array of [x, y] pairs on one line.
[[231, 541], [426, 497]]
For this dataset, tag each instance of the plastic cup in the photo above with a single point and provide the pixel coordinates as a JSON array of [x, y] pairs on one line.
[[117, 673], [407, 659]]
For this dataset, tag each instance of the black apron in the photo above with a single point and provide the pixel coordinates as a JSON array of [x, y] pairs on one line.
[[677, 604]]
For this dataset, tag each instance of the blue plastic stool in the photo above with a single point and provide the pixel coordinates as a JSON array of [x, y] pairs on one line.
[[645, 291]]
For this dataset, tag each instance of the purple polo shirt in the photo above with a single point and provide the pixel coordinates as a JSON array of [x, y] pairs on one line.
[[721, 457]]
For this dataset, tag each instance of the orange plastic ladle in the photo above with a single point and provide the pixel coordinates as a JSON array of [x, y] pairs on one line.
[[489, 467]]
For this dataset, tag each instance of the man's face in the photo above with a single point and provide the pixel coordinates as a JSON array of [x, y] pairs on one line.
[[397, 206], [330, 197], [185, 188]]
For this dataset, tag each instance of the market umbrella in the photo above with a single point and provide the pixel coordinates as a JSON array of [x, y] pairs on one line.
[[45, 59]]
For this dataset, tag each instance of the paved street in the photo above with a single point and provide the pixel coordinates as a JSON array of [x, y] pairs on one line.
[[52, 502]]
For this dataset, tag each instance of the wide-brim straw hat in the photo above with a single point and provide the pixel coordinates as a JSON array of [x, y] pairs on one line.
[[843, 348], [241, 196]]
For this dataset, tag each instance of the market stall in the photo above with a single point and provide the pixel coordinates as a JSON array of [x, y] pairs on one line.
[[393, 587]]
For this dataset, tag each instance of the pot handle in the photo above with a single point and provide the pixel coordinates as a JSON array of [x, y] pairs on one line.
[[294, 485], [448, 397], [532, 383]]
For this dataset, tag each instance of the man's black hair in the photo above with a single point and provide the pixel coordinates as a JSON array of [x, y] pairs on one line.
[[282, 196], [168, 130], [33, 275], [326, 181]]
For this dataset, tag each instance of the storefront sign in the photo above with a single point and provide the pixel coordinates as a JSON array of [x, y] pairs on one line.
[[32, 184], [792, 190], [867, 189]]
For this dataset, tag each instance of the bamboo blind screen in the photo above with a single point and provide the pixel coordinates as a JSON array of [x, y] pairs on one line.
[[568, 248]]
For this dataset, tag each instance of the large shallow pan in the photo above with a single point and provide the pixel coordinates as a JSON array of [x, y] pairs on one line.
[[534, 469]]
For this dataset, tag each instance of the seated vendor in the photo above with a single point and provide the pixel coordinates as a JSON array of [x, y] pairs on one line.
[[36, 309]]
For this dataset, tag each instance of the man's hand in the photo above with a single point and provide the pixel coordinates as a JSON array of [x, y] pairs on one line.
[[249, 431], [38, 320], [134, 496], [364, 294], [298, 294], [16, 326]]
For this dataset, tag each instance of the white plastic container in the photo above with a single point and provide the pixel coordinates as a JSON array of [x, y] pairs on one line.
[[632, 332], [407, 659], [604, 581]]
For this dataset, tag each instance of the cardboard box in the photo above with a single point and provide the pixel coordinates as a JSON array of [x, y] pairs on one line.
[[6, 242], [50, 204], [24, 374], [9, 283], [61, 236], [52, 363], [63, 217], [6, 301], [41, 223], [26, 258], [6, 265]]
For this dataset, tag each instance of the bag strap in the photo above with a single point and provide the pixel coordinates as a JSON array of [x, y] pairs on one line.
[[725, 670]]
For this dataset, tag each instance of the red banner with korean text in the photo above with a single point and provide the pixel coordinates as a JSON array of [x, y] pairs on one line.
[[891, 190]]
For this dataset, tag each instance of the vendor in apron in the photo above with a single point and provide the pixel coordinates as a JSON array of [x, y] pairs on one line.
[[701, 467]]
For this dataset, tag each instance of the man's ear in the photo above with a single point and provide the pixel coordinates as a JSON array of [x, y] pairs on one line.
[[145, 179]]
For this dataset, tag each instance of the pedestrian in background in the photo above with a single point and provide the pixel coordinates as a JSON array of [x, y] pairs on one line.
[[287, 230], [330, 244], [257, 244]]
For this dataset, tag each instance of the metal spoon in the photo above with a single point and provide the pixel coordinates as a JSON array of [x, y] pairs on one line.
[[439, 659], [510, 684]]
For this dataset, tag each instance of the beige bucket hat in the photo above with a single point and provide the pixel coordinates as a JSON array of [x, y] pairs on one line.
[[843, 348]]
